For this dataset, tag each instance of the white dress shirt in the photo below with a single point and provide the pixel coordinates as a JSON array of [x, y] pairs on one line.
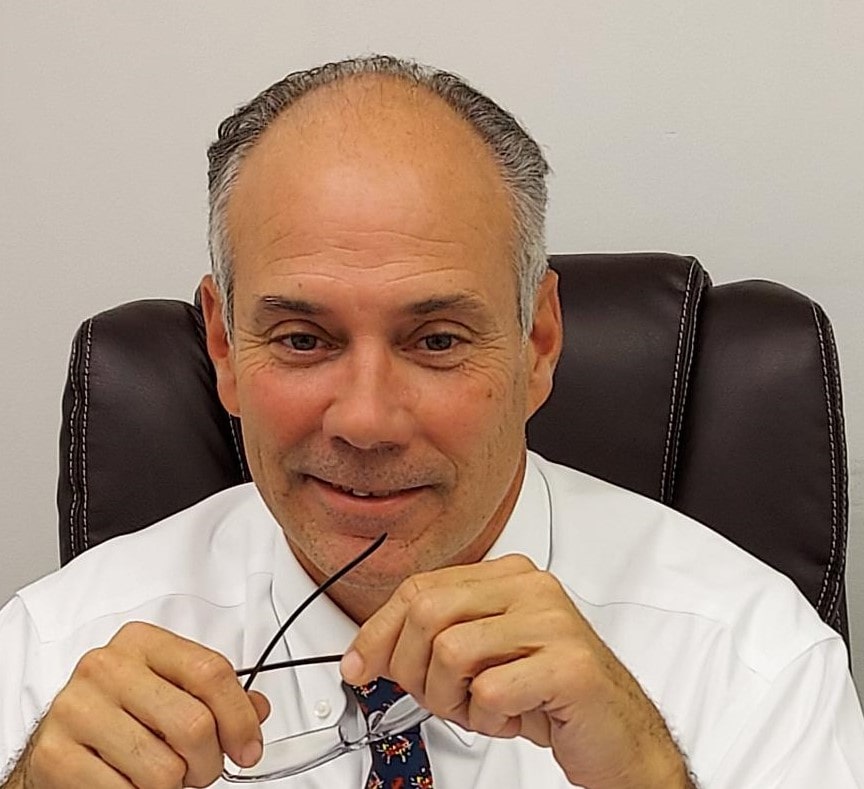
[[754, 687]]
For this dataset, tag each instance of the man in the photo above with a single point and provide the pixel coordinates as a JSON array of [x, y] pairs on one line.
[[381, 318]]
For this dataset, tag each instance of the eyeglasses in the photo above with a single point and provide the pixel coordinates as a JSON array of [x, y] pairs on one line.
[[300, 752]]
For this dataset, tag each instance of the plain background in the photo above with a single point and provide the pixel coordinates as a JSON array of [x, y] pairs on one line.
[[729, 130]]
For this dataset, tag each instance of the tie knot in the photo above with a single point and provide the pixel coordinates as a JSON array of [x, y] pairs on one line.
[[377, 695]]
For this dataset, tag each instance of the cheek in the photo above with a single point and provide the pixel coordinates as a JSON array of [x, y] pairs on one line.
[[275, 410], [476, 418]]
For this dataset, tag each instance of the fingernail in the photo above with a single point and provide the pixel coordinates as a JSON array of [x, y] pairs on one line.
[[251, 753], [352, 666]]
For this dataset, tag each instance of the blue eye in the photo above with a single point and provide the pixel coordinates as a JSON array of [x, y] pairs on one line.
[[439, 342], [301, 342]]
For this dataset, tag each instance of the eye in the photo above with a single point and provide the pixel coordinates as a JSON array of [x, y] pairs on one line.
[[300, 341], [439, 342]]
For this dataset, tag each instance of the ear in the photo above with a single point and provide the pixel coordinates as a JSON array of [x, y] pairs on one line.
[[219, 347], [544, 342]]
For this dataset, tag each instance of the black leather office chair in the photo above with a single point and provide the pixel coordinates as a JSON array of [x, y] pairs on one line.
[[723, 402]]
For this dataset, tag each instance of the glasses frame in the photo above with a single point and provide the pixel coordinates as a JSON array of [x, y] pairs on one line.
[[353, 731]]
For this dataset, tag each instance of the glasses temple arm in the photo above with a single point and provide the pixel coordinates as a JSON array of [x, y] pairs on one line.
[[309, 661], [259, 666]]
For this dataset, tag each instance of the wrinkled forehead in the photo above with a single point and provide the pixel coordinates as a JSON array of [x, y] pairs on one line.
[[373, 149]]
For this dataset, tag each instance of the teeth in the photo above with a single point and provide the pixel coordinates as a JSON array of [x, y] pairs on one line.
[[363, 494]]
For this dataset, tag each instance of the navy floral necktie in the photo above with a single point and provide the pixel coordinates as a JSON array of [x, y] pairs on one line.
[[400, 761]]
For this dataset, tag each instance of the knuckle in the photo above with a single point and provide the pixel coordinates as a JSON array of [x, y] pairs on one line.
[[199, 727], [518, 563], [449, 649], [133, 633], [50, 755], [65, 708], [425, 610], [546, 583], [212, 669], [97, 663], [408, 590], [487, 692], [167, 772]]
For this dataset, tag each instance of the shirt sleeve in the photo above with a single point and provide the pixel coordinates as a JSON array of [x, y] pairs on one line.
[[807, 730], [20, 710]]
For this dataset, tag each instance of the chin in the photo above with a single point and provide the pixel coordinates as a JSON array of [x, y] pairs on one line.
[[323, 556]]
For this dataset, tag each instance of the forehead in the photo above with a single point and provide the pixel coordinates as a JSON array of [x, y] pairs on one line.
[[376, 164]]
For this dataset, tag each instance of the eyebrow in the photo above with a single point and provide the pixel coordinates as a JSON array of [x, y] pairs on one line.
[[274, 305], [459, 301]]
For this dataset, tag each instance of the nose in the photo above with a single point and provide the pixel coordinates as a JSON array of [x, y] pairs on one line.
[[370, 408]]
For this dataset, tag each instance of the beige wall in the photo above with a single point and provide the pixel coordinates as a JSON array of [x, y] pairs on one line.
[[729, 130]]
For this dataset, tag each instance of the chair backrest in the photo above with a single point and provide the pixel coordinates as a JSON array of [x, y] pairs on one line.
[[721, 401]]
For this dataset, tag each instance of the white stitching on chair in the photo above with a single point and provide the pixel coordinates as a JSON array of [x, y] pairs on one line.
[[833, 463], [73, 413], [841, 452], [675, 377], [84, 524], [690, 358], [237, 449]]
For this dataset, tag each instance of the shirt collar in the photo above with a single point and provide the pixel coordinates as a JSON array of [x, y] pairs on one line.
[[529, 529], [324, 628]]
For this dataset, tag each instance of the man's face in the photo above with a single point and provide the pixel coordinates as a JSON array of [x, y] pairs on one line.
[[377, 363]]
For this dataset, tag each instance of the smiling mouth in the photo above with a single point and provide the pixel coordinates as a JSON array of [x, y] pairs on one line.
[[360, 493], [365, 494]]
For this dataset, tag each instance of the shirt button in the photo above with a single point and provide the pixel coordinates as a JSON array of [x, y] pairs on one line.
[[322, 708]]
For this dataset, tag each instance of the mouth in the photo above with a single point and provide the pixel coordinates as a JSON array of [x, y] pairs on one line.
[[364, 507], [365, 492]]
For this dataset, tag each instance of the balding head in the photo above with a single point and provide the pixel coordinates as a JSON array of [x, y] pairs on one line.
[[375, 154], [376, 96]]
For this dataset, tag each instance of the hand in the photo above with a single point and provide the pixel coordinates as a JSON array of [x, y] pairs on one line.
[[148, 710], [499, 647]]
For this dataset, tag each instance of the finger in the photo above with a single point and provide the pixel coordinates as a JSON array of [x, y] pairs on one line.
[[85, 715], [184, 722], [506, 627], [429, 617], [369, 654], [208, 676], [461, 653], [59, 761], [261, 704], [500, 696]]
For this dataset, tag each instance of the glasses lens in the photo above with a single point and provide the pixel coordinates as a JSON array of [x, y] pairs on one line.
[[291, 755], [300, 752]]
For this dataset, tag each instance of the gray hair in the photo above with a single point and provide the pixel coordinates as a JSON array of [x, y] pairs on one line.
[[522, 164]]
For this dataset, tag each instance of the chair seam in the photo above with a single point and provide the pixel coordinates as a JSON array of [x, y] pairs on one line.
[[675, 377], [684, 391], [827, 393], [243, 474], [840, 453], [85, 526], [73, 414]]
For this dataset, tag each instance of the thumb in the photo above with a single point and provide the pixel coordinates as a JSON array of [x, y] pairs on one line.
[[260, 703]]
